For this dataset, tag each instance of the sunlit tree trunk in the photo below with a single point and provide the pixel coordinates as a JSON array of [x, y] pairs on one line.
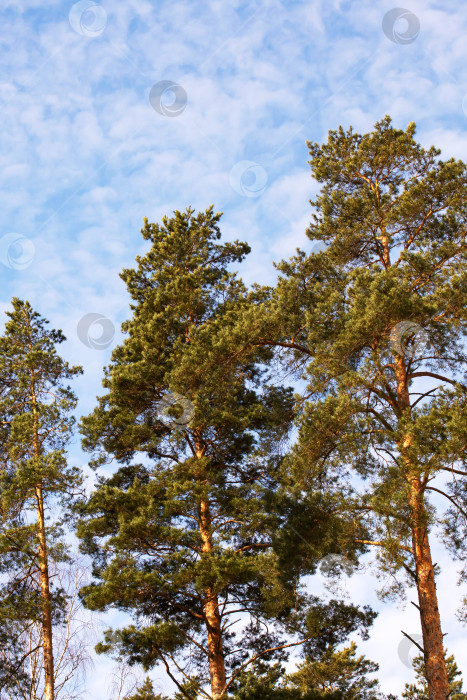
[[49, 693], [435, 665], [211, 608]]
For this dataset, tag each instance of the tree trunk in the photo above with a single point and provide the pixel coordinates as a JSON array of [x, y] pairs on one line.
[[211, 605], [211, 611], [435, 664], [49, 692], [47, 642]]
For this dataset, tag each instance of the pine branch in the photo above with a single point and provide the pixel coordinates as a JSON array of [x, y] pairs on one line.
[[438, 376], [383, 544], [261, 653]]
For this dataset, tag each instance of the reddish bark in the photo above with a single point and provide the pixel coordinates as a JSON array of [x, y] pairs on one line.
[[212, 615], [211, 604], [435, 665], [47, 641], [49, 691]]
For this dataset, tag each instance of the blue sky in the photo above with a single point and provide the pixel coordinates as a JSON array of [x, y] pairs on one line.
[[84, 154]]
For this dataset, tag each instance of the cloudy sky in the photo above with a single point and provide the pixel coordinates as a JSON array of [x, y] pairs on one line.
[[93, 138]]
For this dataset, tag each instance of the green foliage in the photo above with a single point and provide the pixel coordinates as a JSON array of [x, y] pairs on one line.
[[338, 673], [327, 672], [146, 692], [195, 512], [264, 683], [143, 524], [29, 361]]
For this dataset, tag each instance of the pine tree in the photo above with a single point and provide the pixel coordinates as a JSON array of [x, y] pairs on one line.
[[146, 692], [419, 689], [264, 682], [338, 671], [327, 672], [327, 669], [377, 318], [182, 533], [36, 422]]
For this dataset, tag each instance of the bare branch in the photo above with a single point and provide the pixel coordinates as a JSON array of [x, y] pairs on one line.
[[413, 641], [433, 488], [438, 376]]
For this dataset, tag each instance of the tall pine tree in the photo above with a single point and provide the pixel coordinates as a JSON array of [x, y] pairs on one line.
[[182, 533], [377, 318], [36, 421]]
